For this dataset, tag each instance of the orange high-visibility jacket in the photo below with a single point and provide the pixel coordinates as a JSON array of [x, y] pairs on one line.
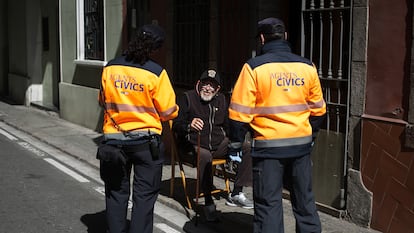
[[136, 97], [276, 93]]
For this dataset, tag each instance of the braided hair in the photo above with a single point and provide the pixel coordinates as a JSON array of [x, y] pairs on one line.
[[149, 38]]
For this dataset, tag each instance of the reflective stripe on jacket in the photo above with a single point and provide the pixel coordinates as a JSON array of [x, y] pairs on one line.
[[137, 98], [276, 93]]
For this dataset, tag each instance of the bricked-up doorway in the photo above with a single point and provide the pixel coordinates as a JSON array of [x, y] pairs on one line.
[[326, 41], [388, 171], [387, 165]]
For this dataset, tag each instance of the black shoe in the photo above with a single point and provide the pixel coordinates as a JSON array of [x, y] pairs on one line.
[[210, 213]]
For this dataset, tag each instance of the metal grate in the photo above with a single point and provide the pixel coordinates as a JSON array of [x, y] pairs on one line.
[[326, 41], [191, 40], [234, 40]]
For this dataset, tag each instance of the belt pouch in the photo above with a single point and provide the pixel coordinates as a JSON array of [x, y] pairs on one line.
[[111, 153]]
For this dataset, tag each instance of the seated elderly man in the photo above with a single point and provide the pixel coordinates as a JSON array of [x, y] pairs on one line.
[[204, 112]]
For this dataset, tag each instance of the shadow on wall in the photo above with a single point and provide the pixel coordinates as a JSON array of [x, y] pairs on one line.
[[99, 123], [87, 76]]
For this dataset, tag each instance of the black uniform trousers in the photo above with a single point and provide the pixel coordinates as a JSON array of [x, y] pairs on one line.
[[146, 187], [268, 177]]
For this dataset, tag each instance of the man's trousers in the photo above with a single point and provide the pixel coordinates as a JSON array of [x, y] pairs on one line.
[[268, 179], [206, 173]]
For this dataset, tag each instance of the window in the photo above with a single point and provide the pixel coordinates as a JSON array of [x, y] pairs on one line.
[[90, 28]]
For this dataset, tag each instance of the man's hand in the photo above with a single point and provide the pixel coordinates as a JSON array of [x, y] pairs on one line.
[[236, 156], [197, 124], [235, 151]]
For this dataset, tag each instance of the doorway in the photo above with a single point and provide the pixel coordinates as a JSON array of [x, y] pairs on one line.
[[50, 58]]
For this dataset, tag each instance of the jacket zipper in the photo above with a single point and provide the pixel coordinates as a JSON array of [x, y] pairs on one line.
[[211, 121]]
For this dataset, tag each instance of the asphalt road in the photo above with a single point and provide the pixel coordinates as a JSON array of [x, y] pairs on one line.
[[44, 192]]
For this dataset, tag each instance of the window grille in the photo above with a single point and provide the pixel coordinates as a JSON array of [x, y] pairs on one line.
[[93, 30], [326, 41]]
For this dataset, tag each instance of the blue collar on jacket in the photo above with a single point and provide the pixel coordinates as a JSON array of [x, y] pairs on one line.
[[276, 46], [276, 51]]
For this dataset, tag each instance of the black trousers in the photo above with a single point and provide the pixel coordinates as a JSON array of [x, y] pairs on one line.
[[206, 173], [146, 187], [268, 176]]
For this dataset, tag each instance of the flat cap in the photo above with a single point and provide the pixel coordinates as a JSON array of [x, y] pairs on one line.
[[270, 26], [210, 76]]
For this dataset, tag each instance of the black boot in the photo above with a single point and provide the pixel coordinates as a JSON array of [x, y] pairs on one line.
[[210, 213]]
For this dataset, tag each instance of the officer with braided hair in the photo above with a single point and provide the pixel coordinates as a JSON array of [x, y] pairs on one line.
[[137, 96]]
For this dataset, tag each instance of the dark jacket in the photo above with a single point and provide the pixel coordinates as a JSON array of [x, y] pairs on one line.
[[214, 114]]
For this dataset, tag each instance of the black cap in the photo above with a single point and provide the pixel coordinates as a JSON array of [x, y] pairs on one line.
[[156, 32], [270, 26], [211, 76]]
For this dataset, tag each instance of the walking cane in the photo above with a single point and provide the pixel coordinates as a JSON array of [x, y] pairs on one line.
[[198, 176]]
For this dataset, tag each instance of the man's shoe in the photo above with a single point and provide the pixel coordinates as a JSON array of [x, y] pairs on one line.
[[210, 213], [239, 200], [230, 201]]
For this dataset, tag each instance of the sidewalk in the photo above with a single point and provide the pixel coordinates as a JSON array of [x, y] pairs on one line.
[[81, 143]]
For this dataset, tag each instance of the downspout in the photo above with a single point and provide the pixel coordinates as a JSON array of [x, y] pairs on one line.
[[348, 112]]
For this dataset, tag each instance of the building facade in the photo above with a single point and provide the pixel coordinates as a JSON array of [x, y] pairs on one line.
[[53, 52]]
